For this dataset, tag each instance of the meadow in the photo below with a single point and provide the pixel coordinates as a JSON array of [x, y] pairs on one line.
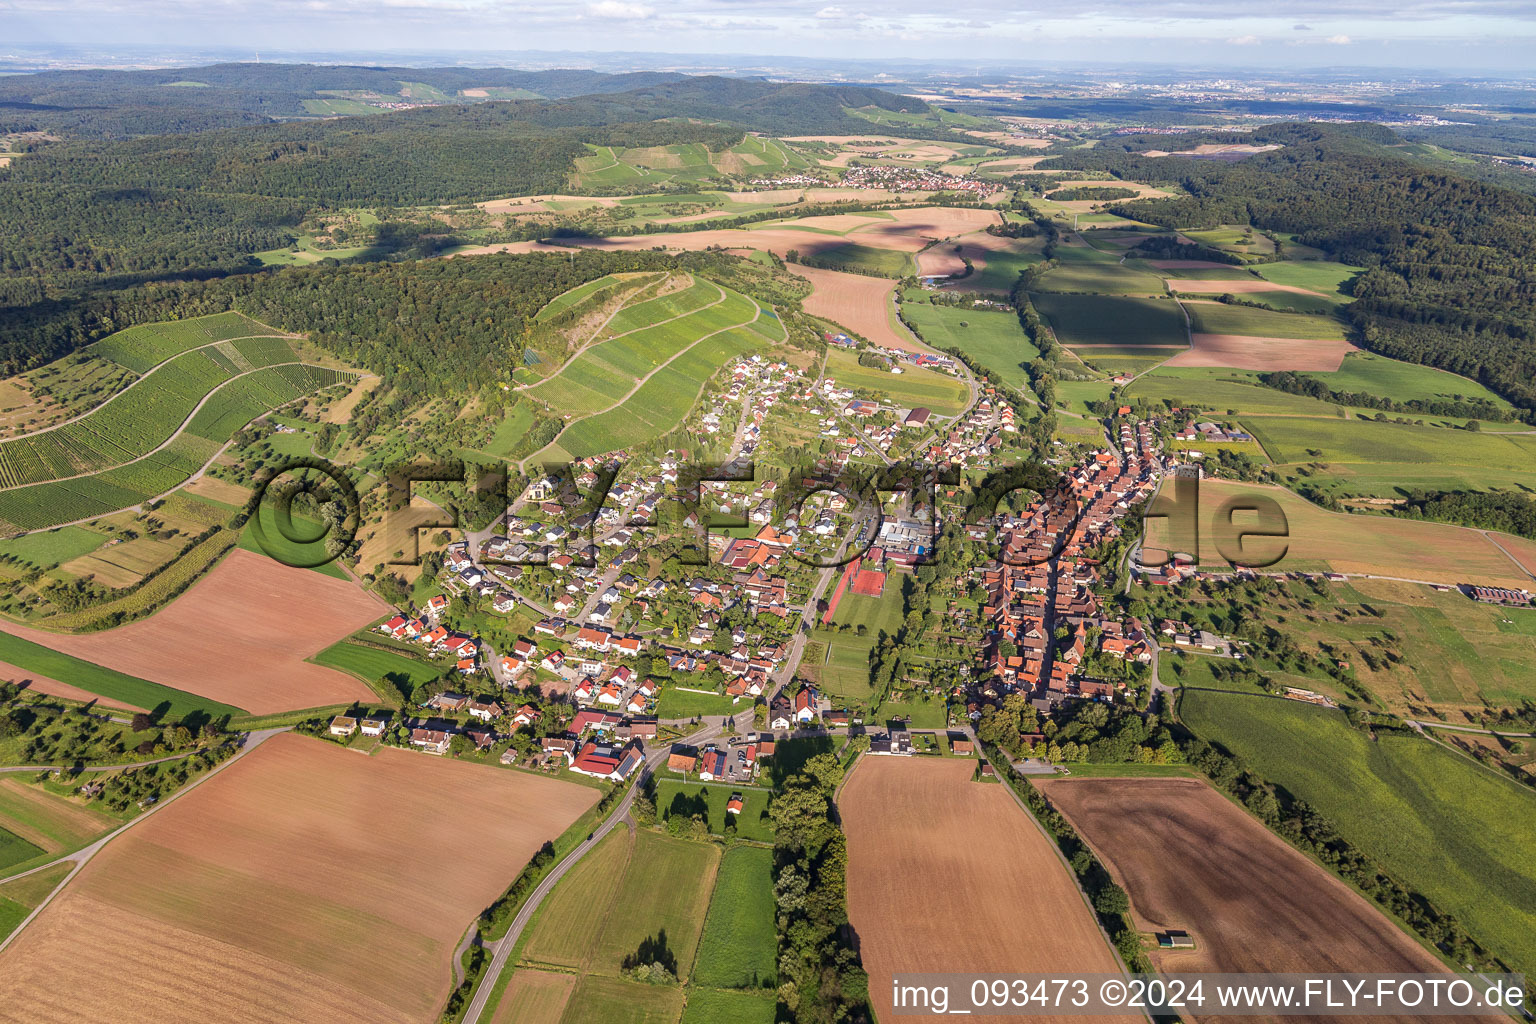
[[1373, 374], [739, 946], [674, 703], [711, 1006], [1223, 391], [1225, 318], [1440, 823], [912, 387], [1317, 275], [1099, 279], [990, 338], [389, 674], [708, 799], [865, 259]]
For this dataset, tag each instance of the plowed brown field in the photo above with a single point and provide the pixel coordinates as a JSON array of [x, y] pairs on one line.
[[305, 883], [949, 875], [1236, 287], [1191, 859], [1245, 352], [861, 304], [54, 688], [239, 635]]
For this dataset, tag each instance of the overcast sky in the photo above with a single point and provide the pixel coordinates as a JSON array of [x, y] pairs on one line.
[[1444, 34]]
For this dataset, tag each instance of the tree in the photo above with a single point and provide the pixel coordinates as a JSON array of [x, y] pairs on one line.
[[1111, 900]]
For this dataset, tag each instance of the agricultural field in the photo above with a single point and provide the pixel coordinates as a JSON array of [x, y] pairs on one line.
[[147, 345], [997, 262], [857, 303], [1439, 822], [711, 1006], [241, 636], [1193, 860], [1226, 392], [990, 338], [708, 800], [912, 387], [993, 860], [384, 671], [48, 823], [44, 670], [1314, 275], [632, 887], [1370, 458], [1224, 318], [675, 703], [739, 947], [1369, 373], [864, 259], [1099, 278], [289, 885], [1319, 540], [20, 897], [1112, 325]]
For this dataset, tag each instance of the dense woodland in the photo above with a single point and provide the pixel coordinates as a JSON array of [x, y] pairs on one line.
[[1452, 276]]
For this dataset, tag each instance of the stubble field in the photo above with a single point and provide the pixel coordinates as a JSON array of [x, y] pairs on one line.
[[948, 875], [304, 883]]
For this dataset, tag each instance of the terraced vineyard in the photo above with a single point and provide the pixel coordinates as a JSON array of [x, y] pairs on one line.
[[650, 364], [203, 380]]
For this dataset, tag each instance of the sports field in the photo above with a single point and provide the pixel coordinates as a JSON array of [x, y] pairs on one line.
[[991, 338], [1455, 831], [912, 387], [1193, 860], [1377, 545], [992, 860], [292, 885]]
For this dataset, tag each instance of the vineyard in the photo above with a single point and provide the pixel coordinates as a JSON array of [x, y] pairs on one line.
[[148, 345], [148, 439]]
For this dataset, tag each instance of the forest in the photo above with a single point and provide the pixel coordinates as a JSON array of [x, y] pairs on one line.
[[1451, 277]]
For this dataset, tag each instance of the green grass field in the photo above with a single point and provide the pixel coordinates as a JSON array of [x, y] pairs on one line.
[[707, 1006], [844, 675], [105, 682], [273, 543], [1002, 268], [568, 923], [666, 887], [1453, 830], [1127, 323], [598, 1000], [673, 795], [1316, 275], [45, 550], [565, 300], [992, 339], [1220, 390], [392, 675], [1374, 374], [913, 387], [865, 259], [675, 703], [1221, 318], [739, 946], [14, 849]]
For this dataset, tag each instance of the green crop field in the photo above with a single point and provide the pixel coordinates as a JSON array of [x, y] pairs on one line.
[[1455, 831], [1317, 275], [739, 946], [666, 887], [1374, 374], [1213, 272], [1100, 279], [708, 800], [569, 921], [1297, 440], [1294, 302], [106, 682], [14, 850], [1220, 390], [990, 338], [1113, 321], [865, 259], [384, 670], [565, 300], [707, 1006], [914, 386], [1221, 318]]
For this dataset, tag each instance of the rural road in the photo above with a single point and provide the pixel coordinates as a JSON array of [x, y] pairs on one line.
[[1467, 728], [95, 767], [531, 905], [84, 854]]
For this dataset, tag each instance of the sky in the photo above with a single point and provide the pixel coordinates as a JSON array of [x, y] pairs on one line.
[[1450, 35]]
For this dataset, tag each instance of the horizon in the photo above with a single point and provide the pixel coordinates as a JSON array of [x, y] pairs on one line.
[[1436, 36]]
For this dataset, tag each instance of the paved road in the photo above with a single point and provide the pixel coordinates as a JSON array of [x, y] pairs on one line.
[[83, 855], [503, 947], [1467, 728]]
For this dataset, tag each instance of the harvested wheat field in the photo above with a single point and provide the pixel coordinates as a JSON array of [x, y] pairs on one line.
[[535, 997], [940, 261], [1193, 860], [1189, 264], [949, 875], [303, 883], [1234, 287], [54, 688], [240, 636], [861, 304], [1245, 352]]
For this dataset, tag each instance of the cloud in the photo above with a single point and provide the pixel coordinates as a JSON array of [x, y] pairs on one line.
[[1338, 40], [1302, 28], [619, 9], [1243, 41], [830, 12]]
